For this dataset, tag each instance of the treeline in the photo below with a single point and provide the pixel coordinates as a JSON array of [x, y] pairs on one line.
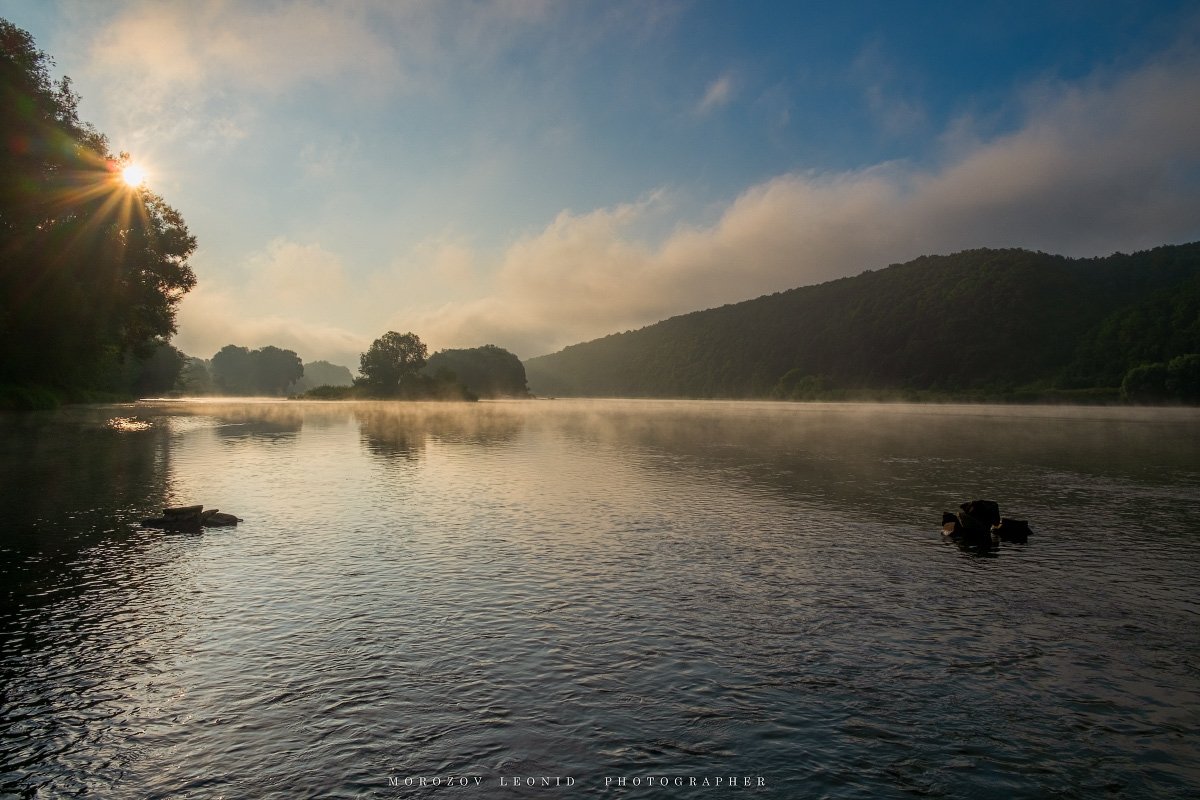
[[91, 268], [398, 366], [270, 370], [986, 324]]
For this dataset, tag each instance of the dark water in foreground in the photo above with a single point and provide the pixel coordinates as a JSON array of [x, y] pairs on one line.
[[598, 592]]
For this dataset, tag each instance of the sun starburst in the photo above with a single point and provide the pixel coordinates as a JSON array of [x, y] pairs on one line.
[[134, 175]]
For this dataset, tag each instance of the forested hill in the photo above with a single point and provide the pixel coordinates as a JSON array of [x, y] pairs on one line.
[[991, 322]]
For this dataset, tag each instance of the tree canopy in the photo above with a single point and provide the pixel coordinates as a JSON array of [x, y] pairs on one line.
[[269, 370], [91, 269], [487, 371], [392, 362]]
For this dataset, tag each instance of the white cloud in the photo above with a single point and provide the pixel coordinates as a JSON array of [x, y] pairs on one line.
[[719, 93], [211, 317], [298, 279], [301, 296], [1096, 168], [290, 295], [265, 46]]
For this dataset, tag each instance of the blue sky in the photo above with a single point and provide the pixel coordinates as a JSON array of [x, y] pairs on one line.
[[534, 174]]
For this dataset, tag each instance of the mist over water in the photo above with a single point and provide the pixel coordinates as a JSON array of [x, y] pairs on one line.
[[598, 590]]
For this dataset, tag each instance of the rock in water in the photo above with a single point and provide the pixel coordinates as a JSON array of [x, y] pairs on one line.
[[177, 519], [1012, 530], [979, 516], [190, 518], [183, 511], [978, 523]]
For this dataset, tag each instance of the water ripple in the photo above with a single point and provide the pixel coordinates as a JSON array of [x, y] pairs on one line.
[[609, 589]]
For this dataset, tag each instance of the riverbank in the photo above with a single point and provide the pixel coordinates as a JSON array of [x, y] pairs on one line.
[[34, 397]]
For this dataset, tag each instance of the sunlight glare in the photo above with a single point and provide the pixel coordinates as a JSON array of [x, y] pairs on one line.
[[133, 175]]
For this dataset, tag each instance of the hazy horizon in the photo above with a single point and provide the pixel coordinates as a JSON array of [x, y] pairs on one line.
[[536, 174]]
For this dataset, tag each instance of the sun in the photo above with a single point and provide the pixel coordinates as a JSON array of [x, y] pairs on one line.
[[133, 175]]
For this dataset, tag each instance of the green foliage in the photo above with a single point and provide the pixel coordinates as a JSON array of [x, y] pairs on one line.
[[796, 386], [1145, 383], [328, 392], [194, 378], [1183, 378], [986, 324], [158, 374], [233, 371], [322, 373], [1177, 381], [276, 369], [392, 370], [1152, 329], [487, 371], [267, 371], [391, 364], [27, 397], [422, 387], [91, 270]]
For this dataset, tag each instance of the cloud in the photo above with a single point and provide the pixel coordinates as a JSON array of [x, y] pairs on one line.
[[298, 279], [211, 317], [311, 306], [1110, 165], [719, 93], [894, 113], [263, 46], [301, 296]]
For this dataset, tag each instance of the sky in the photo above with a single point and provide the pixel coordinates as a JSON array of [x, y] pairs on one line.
[[532, 174]]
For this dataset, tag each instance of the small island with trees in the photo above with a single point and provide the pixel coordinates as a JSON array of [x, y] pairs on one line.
[[397, 367]]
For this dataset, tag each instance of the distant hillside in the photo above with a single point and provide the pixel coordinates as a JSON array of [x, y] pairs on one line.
[[979, 321]]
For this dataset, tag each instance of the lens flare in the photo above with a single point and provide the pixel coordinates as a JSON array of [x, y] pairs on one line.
[[133, 175]]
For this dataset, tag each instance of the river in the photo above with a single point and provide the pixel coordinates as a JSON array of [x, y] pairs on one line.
[[611, 598]]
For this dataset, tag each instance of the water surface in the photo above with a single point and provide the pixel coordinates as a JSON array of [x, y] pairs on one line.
[[598, 591]]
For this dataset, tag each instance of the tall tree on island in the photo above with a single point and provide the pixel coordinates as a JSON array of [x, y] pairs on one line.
[[392, 363], [92, 268]]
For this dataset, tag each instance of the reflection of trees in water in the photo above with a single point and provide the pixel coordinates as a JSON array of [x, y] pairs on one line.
[[239, 420], [77, 573], [402, 429], [70, 471]]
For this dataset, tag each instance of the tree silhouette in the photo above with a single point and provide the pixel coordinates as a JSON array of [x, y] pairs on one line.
[[487, 371], [392, 363], [276, 369], [91, 269]]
